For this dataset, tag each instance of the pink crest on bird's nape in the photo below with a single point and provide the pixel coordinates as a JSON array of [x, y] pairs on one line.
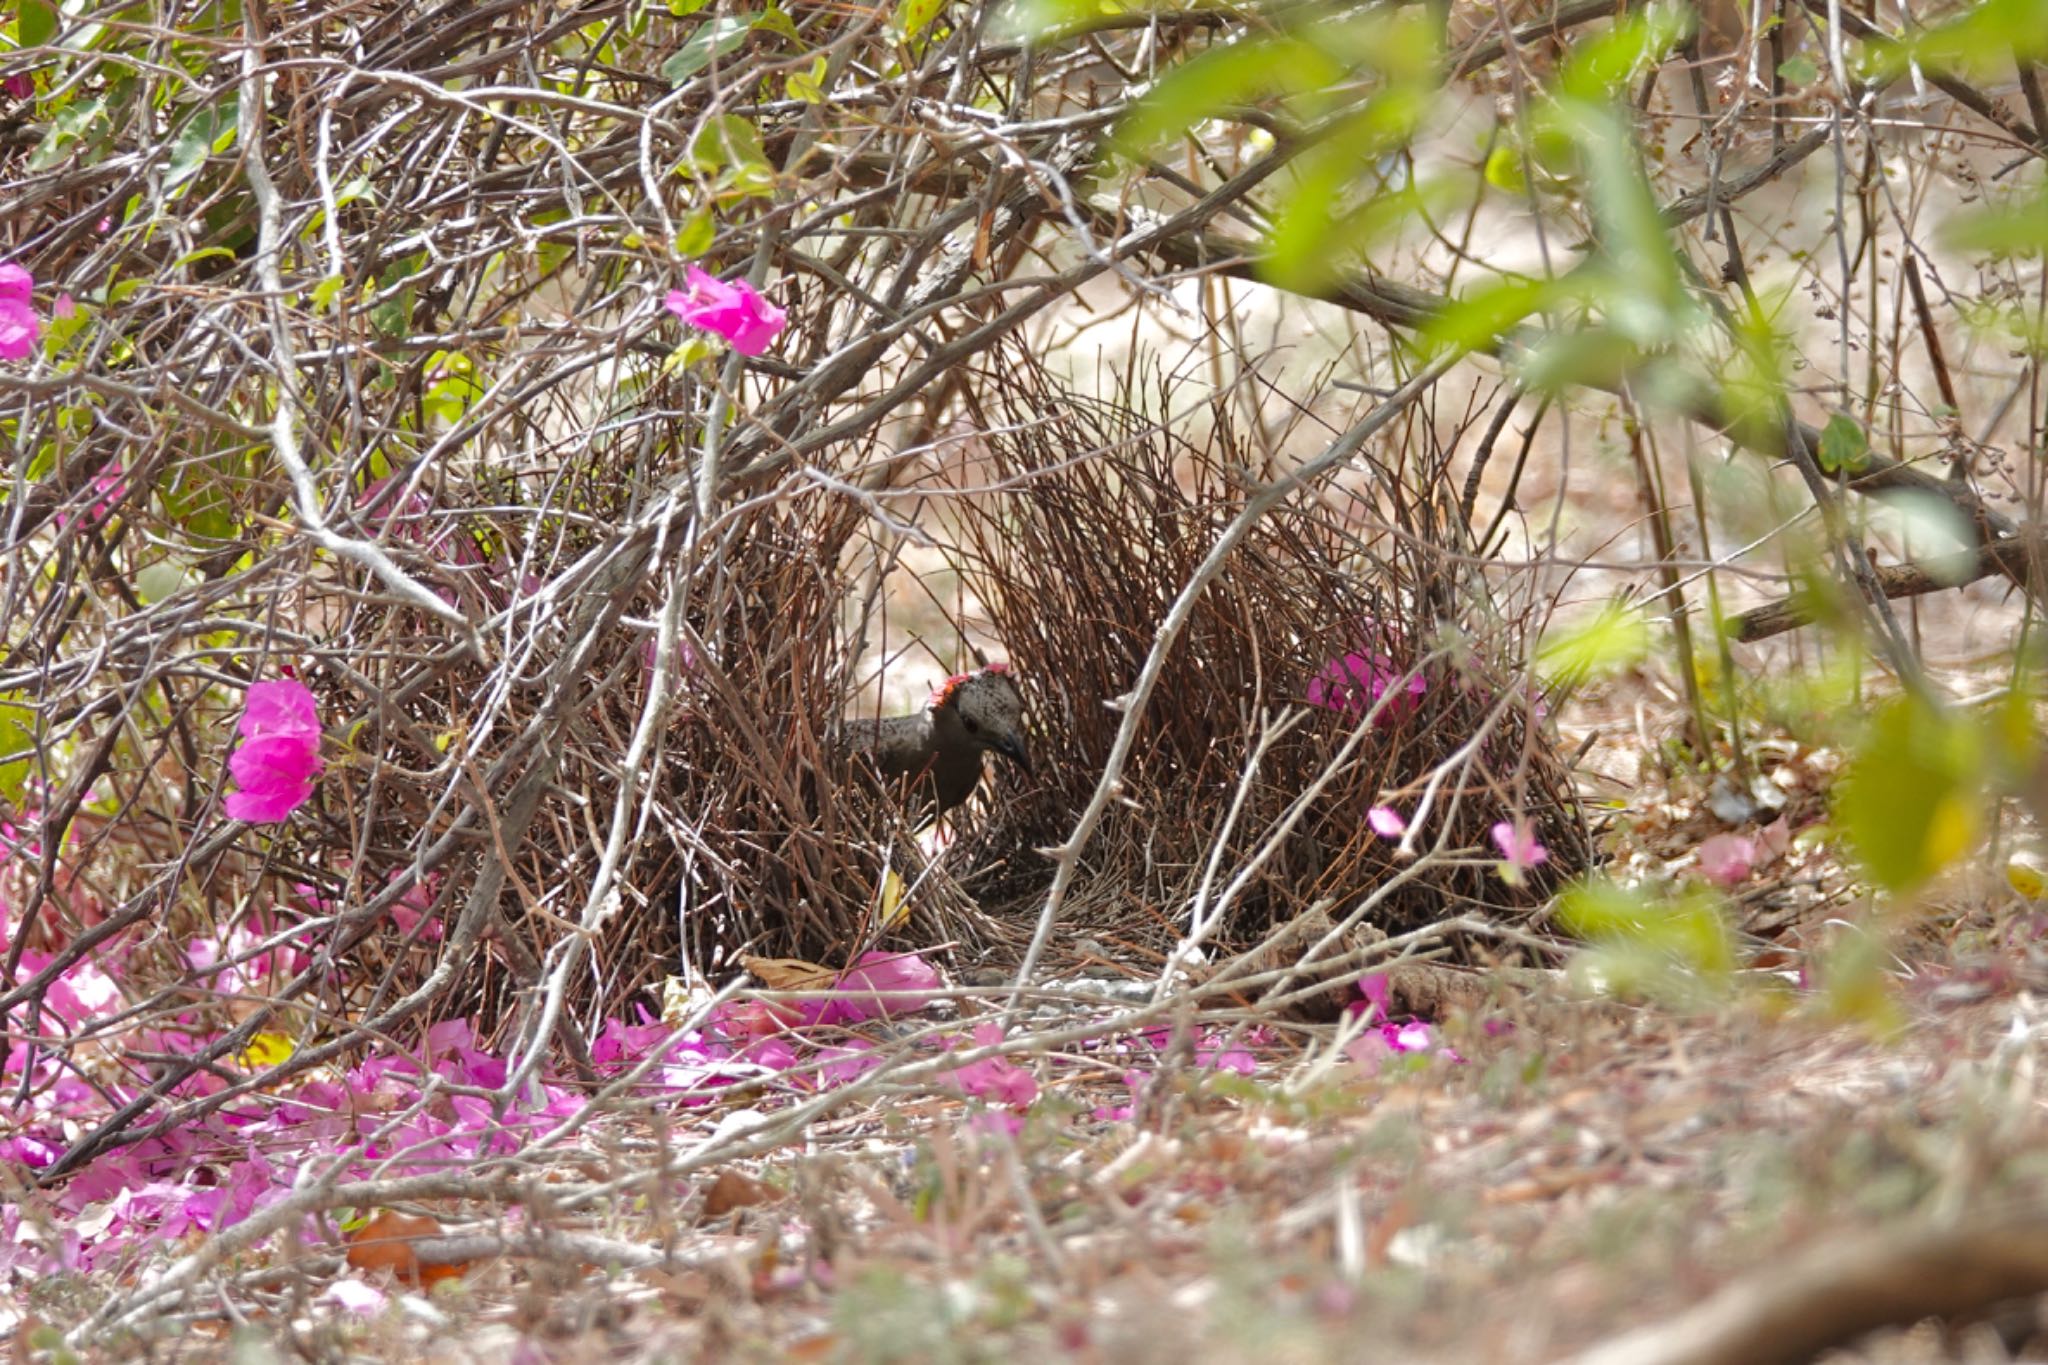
[[943, 693]]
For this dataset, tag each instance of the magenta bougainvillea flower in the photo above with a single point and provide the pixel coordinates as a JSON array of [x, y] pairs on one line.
[[19, 325], [1386, 822], [279, 755], [734, 311], [1355, 683]]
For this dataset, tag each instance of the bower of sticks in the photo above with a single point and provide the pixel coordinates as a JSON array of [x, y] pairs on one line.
[[609, 735]]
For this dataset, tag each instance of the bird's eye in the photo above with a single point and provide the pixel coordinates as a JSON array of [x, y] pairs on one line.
[[973, 726]]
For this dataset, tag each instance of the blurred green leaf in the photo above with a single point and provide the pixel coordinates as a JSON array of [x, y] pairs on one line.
[[1476, 321], [1799, 70], [2019, 228], [1676, 947], [1599, 356], [1504, 169], [1844, 447], [1329, 209], [1648, 300], [808, 85], [1218, 79], [1986, 38], [775, 19], [717, 37], [1616, 637], [912, 17], [1601, 66], [1046, 21], [35, 22], [696, 234], [212, 129], [1856, 982], [17, 746], [1911, 800]]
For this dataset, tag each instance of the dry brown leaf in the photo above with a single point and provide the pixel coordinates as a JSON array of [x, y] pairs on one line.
[[789, 973], [734, 1190]]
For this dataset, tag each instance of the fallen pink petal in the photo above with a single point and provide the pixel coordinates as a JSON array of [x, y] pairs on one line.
[[1518, 844], [1386, 822], [735, 311], [1728, 859]]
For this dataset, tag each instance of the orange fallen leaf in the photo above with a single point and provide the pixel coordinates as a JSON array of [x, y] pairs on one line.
[[385, 1242]]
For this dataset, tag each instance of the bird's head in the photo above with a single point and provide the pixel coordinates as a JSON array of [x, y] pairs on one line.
[[987, 708]]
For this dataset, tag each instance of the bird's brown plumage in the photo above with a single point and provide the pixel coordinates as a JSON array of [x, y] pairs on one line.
[[934, 755]]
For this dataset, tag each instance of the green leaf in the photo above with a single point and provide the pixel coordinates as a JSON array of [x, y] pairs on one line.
[[73, 122], [1649, 302], [683, 9], [326, 292], [1911, 801], [1616, 637], [17, 746], [725, 141], [2016, 229], [912, 17], [1220, 78], [1675, 947], [1986, 37], [717, 38], [808, 85], [1475, 321], [1798, 70], [1844, 448], [213, 129], [1601, 66], [35, 23], [1046, 21], [695, 236], [1504, 169], [775, 19]]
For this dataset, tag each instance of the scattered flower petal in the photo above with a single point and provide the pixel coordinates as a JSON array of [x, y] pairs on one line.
[[1518, 844], [1386, 822]]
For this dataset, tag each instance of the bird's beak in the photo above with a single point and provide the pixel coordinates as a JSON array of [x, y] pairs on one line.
[[1012, 748]]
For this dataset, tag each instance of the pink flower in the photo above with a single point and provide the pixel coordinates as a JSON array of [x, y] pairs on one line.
[[1727, 859], [279, 755], [1386, 822], [66, 307], [19, 325], [733, 311], [1517, 843], [1354, 683], [996, 1079], [878, 985], [21, 85]]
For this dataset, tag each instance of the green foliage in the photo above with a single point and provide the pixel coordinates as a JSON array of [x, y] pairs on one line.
[[1614, 638], [1844, 448], [17, 746], [1603, 66], [716, 38], [1987, 37], [1674, 947], [2019, 228], [1912, 799]]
